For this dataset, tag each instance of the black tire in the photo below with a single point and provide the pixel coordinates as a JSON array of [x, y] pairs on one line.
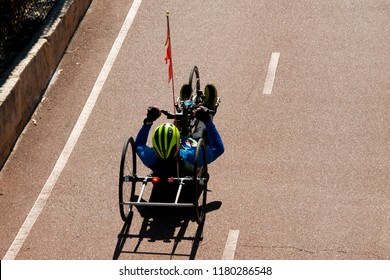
[[128, 167], [194, 83], [200, 177]]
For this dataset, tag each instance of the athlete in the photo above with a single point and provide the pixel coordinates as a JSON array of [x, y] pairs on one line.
[[169, 148]]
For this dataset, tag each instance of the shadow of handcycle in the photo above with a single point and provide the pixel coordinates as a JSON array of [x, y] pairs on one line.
[[167, 225]]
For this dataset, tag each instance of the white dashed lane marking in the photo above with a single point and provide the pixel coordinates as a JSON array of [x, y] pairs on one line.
[[230, 246], [269, 81]]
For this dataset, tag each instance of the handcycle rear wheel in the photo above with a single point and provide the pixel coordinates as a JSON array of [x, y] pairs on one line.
[[200, 178], [128, 169]]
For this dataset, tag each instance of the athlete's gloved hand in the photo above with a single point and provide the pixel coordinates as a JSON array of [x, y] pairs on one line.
[[153, 114], [202, 113]]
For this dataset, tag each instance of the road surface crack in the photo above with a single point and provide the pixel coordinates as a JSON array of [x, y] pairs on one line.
[[296, 248]]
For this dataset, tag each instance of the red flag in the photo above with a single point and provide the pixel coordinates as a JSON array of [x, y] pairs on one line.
[[168, 57], [168, 60]]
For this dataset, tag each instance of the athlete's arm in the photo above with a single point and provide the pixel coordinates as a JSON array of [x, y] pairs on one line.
[[145, 153]]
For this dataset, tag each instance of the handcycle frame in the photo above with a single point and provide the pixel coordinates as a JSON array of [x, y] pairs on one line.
[[197, 179]]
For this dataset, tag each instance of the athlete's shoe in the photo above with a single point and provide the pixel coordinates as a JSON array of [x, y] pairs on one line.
[[211, 99], [185, 92]]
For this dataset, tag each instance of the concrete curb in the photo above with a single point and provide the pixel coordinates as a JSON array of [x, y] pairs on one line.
[[22, 92]]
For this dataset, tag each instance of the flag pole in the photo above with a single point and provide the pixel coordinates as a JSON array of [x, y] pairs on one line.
[[170, 67]]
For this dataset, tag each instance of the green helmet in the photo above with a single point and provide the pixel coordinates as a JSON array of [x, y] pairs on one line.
[[165, 140]]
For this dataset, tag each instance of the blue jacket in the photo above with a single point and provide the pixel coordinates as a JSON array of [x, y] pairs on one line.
[[187, 151]]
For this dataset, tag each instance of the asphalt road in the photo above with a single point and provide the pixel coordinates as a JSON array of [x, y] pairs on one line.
[[305, 173]]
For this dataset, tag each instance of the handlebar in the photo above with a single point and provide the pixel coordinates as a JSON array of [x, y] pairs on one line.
[[179, 115]]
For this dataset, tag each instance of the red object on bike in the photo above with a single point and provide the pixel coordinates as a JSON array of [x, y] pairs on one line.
[[168, 56]]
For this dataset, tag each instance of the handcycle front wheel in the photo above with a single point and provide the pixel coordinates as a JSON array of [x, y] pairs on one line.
[[128, 169], [200, 178], [194, 84], [196, 98]]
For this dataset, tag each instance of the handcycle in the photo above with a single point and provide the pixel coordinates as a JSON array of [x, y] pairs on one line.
[[131, 194]]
